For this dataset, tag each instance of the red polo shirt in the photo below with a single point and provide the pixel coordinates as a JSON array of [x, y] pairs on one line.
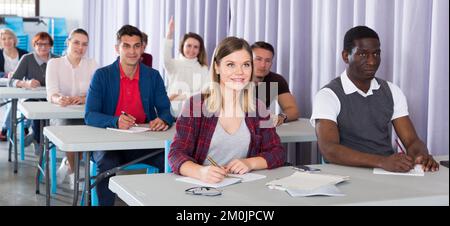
[[130, 96]]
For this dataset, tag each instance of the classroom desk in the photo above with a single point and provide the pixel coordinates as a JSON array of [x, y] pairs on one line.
[[15, 94], [44, 111], [297, 131], [87, 139], [4, 82], [363, 188]]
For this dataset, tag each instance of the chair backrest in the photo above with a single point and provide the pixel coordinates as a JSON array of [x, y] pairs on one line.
[[59, 44], [167, 168], [57, 29], [23, 42], [93, 171]]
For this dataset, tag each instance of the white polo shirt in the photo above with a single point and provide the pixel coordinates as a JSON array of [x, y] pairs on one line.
[[326, 104]]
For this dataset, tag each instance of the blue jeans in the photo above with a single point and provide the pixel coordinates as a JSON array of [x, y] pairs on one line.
[[107, 160]]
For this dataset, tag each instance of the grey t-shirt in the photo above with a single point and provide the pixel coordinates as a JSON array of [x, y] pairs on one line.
[[225, 147]]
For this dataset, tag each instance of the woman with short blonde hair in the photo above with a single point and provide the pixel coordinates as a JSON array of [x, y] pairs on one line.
[[9, 59]]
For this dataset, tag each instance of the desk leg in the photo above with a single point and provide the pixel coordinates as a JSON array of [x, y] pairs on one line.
[[87, 180], [38, 171], [76, 178], [9, 136], [319, 155], [47, 170], [14, 131], [42, 124], [22, 137]]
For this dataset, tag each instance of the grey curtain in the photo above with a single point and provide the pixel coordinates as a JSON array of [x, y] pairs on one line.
[[307, 36]]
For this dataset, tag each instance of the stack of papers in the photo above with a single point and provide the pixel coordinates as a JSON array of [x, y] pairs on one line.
[[135, 129], [233, 179], [417, 171], [309, 184]]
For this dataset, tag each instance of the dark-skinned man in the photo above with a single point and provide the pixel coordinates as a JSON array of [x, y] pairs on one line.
[[354, 112]]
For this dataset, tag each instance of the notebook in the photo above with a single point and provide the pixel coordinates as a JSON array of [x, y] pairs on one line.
[[135, 129], [417, 171], [247, 177], [233, 179]]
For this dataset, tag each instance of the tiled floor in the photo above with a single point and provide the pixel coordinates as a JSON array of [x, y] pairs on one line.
[[19, 189]]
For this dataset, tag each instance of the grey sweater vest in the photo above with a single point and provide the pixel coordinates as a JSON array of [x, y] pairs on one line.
[[364, 123]]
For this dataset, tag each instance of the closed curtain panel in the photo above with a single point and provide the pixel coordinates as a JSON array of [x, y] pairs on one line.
[[102, 19], [307, 36]]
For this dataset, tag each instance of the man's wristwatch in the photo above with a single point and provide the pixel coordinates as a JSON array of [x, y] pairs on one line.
[[283, 116]]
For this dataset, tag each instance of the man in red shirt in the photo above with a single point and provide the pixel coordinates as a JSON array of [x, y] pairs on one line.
[[121, 95]]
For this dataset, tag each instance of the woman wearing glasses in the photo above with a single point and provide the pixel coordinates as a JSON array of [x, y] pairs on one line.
[[32, 66], [30, 73], [225, 124], [67, 81]]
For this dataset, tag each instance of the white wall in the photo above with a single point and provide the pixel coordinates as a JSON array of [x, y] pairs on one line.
[[71, 10]]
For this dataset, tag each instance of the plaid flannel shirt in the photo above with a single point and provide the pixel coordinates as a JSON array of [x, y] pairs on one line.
[[194, 130]]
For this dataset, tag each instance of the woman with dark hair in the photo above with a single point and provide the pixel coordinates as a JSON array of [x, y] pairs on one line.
[[67, 80], [189, 72], [226, 130]]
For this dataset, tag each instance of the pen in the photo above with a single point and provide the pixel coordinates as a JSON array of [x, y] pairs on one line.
[[124, 113], [400, 146], [303, 168], [214, 163]]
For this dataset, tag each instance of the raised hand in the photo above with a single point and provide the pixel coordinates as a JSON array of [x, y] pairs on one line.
[[171, 30]]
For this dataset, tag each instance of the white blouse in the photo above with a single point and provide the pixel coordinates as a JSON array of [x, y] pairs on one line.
[[10, 63], [186, 76], [63, 79]]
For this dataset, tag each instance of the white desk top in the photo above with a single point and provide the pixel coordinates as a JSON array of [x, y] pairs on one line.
[[88, 138], [364, 188], [10, 92], [46, 110], [3, 82], [297, 131]]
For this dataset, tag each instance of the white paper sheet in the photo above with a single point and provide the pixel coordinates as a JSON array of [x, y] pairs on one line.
[[417, 171]]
